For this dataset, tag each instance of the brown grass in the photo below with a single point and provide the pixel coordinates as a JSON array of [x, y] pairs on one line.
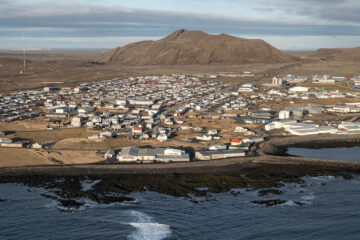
[[54, 136], [26, 157]]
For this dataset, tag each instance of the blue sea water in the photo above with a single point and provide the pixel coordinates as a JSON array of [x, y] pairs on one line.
[[331, 210], [351, 154]]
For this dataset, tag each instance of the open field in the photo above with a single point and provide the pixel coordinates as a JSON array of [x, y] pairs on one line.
[[24, 125], [28, 157], [70, 68], [44, 136], [332, 68]]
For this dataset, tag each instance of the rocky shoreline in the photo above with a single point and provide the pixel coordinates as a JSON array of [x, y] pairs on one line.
[[114, 187], [113, 183]]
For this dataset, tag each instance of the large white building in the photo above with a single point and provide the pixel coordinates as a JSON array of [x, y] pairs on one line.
[[135, 154], [298, 89], [278, 81]]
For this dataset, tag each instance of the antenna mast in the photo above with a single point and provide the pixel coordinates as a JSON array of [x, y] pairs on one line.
[[24, 51]]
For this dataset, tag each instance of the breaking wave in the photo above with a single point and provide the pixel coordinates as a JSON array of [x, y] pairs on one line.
[[146, 229]]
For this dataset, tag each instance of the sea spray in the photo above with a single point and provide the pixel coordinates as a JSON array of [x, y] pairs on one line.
[[146, 228]]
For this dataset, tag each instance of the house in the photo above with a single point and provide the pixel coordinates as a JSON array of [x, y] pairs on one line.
[[198, 129], [240, 129], [36, 146], [5, 140], [218, 147], [356, 80], [162, 137], [235, 142], [76, 121], [212, 132], [169, 121], [285, 114], [136, 130], [204, 137], [241, 143]]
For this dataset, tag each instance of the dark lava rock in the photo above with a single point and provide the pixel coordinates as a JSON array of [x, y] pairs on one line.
[[70, 203], [274, 202], [265, 192], [299, 203], [110, 199], [235, 193], [348, 176], [269, 203]]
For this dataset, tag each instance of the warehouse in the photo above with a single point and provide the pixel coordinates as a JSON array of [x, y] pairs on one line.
[[128, 154], [218, 154]]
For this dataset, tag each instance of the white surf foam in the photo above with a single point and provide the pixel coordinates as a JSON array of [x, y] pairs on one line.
[[308, 197], [322, 178], [146, 229], [52, 205], [129, 203], [289, 203]]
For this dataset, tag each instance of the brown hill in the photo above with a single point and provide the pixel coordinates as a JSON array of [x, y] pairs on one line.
[[337, 54], [196, 47]]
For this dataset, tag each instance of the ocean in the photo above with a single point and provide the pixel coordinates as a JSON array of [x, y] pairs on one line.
[[323, 207], [351, 154]]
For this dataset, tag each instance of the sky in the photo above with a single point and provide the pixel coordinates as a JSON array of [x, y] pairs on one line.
[[286, 24]]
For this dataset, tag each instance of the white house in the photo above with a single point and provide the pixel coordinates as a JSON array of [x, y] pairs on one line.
[[204, 137], [162, 137], [284, 114]]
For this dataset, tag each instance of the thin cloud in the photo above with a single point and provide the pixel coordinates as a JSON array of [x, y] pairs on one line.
[[75, 19]]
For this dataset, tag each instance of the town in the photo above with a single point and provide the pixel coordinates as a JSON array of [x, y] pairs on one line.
[[176, 118]]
